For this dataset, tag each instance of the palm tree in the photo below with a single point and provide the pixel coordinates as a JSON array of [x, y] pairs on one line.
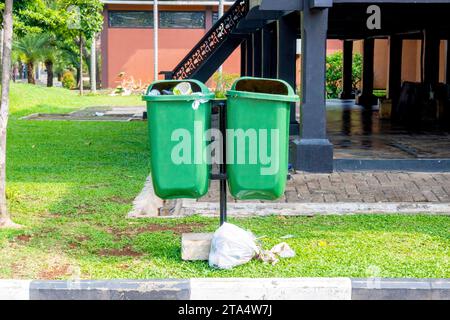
[[31, 49], [50, 56]]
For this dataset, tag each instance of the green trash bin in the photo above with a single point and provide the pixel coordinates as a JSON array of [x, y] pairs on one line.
[[258, 113], [177, 127]]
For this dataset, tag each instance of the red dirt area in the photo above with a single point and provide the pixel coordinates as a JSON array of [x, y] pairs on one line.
[[25, 238], [177, 229], [54, 272], [123, 252]]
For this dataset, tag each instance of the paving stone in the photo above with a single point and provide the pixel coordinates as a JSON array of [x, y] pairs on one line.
[[364, 187]]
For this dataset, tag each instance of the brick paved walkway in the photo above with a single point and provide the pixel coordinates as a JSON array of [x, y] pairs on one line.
[[366, 187]]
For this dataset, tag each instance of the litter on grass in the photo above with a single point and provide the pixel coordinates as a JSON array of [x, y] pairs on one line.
[[233, 246]]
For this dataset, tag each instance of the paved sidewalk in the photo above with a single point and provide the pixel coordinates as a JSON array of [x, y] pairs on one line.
[[312, 194], [366, 187]]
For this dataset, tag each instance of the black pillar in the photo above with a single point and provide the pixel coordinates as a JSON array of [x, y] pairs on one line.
[[367, 98], [395, 69], [431, 59], [287, 63], [257, 53], [244, 58], [347, 71], [249, 53], [312, 151], [267, 44], [274, 50]]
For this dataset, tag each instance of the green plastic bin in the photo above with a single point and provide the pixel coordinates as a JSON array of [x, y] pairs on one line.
[[258, 113], [177, 129]]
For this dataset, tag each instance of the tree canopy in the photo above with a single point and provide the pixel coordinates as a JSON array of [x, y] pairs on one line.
[[60, 17]]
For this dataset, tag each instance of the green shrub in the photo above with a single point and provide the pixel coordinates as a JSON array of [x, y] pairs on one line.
[[334, 73], [68, 80], [227, 81]]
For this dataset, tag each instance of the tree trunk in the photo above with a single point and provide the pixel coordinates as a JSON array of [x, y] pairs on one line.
[[20, 70], [93, 64], [87, 57], [5, 219], [98, 72], [30, 73], [81, 65], [2, 35], [50, 75], [78, 75]]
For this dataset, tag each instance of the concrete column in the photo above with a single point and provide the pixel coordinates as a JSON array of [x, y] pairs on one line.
[[395, 69], [312, 151], [431, 59], [367, 98], [287, 60], [347, 71]]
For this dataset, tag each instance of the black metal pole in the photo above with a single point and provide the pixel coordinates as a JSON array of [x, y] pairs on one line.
[[223, 164]]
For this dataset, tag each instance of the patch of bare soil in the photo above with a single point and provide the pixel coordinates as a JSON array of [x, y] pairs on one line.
[[123, 252], [54, 272], [23, 238], [177, 229], [78, 241]]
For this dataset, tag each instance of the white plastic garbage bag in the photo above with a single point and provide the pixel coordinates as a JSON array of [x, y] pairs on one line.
[[232, 246]]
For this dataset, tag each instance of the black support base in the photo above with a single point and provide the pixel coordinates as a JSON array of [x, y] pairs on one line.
[[366, 100], [312, 155], [347, 96]]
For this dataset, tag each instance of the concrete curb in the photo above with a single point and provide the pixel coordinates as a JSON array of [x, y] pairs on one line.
[[252, 209], [229, 289]]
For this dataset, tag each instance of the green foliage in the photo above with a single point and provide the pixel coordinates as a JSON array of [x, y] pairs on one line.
[[33, 47], [85, 17], [39, 16], [223, 83], [334, 73], [64, 23], [68, 80]]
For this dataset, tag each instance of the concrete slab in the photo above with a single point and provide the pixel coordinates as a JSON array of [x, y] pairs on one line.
[[15, 289], [196, 246], [272, 289]]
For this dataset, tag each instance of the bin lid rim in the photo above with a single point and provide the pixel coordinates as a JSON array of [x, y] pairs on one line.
[[202, 86], [205, 96], [263, 96], [288, 86]]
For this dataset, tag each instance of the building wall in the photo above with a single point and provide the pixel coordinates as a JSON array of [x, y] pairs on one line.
[[130, 50]]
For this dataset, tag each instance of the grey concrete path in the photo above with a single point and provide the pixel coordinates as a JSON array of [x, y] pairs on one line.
[[93, 114]]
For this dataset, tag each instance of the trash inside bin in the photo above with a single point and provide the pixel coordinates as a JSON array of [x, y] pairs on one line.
[[258, 113], [178, 117]]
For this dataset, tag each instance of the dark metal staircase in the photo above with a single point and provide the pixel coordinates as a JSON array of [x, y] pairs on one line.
[[214, 48]]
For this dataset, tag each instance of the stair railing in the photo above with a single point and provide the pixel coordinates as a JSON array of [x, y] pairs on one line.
[[210, 41]]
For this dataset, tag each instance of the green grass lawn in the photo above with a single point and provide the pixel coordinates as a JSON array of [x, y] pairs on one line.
[[71, 184]]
